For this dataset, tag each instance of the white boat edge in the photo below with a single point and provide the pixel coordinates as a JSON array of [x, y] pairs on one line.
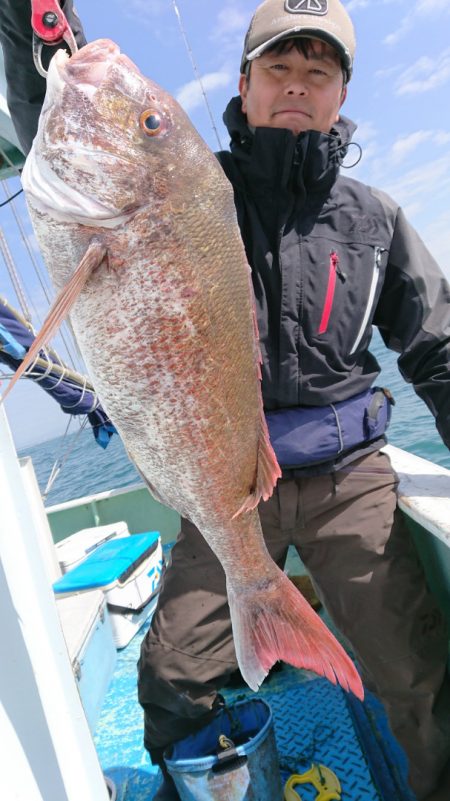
[[424, 493]]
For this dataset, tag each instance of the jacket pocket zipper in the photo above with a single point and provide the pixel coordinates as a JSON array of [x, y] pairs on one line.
[[329, 297], [370, 299]]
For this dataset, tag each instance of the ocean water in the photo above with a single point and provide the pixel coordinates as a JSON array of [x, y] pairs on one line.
[[86, 468]]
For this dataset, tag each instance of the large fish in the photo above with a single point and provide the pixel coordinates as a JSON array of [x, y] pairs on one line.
[[136, 222]]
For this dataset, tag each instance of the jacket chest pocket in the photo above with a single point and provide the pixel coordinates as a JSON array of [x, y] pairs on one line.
[[347, 297], [334, 271], [370, 300]]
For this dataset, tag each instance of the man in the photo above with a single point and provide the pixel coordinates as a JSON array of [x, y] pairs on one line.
[[329, 257]]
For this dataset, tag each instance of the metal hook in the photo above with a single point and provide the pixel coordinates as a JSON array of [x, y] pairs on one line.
[[50, 27], [38, 44]]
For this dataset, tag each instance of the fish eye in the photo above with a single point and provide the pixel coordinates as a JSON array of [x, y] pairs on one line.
[[150, 122]]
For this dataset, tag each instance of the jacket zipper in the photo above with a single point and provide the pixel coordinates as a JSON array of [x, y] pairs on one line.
[[329, 297], [370, 299]]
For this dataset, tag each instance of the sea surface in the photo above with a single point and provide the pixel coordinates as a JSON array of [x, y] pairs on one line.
[[85, 468]]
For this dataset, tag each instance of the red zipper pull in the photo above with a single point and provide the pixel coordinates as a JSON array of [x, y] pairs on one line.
[[329, 297]]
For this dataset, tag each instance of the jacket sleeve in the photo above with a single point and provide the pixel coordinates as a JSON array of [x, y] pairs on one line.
[[25, 87], [413, 316]]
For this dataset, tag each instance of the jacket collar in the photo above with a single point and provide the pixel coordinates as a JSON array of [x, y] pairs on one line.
[[277, 158]]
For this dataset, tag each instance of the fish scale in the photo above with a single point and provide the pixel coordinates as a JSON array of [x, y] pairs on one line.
[[138, 228]]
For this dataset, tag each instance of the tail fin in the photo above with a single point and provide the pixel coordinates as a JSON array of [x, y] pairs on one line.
[[277, 623]]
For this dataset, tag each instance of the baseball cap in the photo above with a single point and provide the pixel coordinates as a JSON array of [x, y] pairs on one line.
[[275, 20]]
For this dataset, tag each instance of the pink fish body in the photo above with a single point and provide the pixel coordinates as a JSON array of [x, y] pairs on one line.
[[137, 224]]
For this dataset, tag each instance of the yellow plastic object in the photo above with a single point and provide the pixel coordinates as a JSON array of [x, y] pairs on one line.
[[323, 780]]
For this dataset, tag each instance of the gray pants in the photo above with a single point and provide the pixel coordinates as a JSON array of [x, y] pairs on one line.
[[358, 552]]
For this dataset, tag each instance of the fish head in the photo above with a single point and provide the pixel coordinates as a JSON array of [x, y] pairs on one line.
[[108, 141]]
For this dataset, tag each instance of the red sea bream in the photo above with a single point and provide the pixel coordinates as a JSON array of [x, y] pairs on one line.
[[136, 222]]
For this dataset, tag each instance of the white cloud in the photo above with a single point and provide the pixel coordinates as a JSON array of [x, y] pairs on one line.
[[366, 137], [421, 191], [421, 10], [380, 75], [190, 95], [427, 6], [143, 10], [442, 137], [159, 21], [230, 29], [412, 209], [436, 236], [406, 24], [405, 145], [366, 132], [352, 5], [426, 74], [422, 184], [230, 20]]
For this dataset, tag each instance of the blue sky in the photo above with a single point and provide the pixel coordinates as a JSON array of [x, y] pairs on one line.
[[399, 96]]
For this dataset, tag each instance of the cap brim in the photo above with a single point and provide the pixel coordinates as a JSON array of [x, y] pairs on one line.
[[306, 32]]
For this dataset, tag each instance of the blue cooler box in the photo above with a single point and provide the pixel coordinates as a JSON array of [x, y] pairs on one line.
[[128, 571]]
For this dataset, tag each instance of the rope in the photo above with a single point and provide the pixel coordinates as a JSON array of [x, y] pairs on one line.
[[13, 274], [33, 260], [40, 276], [44, 286]]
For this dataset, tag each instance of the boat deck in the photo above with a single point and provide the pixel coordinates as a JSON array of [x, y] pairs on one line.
[[315, 722]]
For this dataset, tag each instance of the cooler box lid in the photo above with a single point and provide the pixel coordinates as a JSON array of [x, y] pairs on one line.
[[111, 563], [74, 549]]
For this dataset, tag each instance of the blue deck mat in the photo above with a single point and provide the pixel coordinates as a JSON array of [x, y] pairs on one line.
[[313, 722]]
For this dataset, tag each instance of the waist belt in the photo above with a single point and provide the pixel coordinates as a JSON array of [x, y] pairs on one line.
[[306, 435]]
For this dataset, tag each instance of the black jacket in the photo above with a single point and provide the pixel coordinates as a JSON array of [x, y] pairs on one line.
[[330, 256]]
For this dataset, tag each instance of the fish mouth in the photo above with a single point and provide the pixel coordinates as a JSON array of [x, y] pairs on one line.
[[89, 67]]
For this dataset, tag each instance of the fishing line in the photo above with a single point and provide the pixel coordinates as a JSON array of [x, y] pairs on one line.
[[196, 71], [11, 197], [61, 460]]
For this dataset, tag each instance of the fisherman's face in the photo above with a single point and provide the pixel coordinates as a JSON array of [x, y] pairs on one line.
[[291, 91]]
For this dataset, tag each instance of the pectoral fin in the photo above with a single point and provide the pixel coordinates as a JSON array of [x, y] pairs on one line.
[[63, 304], [268, 471]]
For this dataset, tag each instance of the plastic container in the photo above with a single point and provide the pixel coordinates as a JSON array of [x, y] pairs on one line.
[[246, 770], [74, 549], [128, 571]]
